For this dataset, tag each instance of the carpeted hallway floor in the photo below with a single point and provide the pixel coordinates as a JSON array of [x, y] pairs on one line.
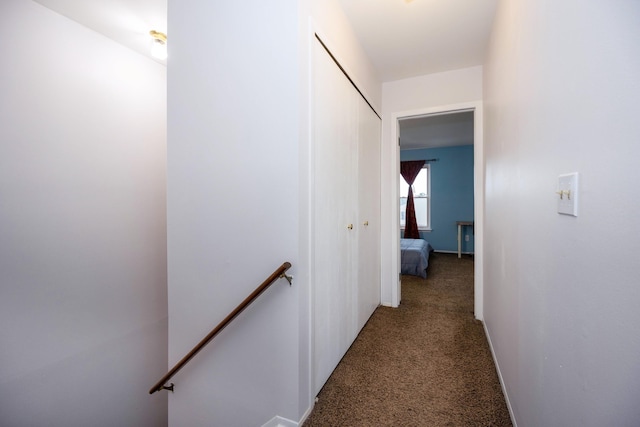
[[426, 363]]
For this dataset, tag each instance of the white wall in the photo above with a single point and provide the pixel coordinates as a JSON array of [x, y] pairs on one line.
[[415, 95], [238, 203], [562, 295], [82, 225], [332, 25], [233, 208]]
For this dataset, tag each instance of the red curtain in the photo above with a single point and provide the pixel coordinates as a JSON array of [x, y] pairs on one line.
[[409, 171]]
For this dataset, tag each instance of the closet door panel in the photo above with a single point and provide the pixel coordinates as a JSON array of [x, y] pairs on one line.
[[368, 212], [333, 289]]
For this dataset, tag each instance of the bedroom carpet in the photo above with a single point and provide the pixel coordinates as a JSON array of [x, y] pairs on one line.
[[426, 363]]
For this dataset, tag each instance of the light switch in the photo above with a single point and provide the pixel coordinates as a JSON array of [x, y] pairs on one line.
[[567, 194]]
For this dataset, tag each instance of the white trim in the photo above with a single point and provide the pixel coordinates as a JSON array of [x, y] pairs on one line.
[[478, 210], [308, 412], [309, 398], [504, 389], [278, 421], [308, 364], [392, 257]]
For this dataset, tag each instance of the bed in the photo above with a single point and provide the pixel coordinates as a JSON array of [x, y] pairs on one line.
[[414, 257]]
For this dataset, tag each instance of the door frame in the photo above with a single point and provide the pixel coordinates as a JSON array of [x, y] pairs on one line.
[[392, 254]]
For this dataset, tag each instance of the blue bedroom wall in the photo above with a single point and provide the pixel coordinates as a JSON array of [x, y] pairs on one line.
[[451, 195]]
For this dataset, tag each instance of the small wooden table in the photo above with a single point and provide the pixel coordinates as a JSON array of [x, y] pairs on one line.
[[461, 224]]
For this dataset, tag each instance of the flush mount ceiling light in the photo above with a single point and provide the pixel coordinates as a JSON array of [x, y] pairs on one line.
[[158, 45]]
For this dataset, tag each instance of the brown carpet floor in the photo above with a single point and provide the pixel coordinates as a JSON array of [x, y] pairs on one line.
[[426, 363]]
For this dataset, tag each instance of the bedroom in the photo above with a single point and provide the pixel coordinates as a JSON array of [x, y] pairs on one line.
[[443, 189]]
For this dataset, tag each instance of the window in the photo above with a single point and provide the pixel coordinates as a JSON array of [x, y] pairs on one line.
[[421, 195]]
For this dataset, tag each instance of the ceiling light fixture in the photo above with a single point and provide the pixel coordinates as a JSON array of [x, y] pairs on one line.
[[158, 45]]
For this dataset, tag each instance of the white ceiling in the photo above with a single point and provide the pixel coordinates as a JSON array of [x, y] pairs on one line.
[[403, 38], [408, 38]]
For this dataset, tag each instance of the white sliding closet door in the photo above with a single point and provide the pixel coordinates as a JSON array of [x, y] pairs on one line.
[[342, 123], [368, 212], [334, 296]]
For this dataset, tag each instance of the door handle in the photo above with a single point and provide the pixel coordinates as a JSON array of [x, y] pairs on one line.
[[350, 226], [366, 223]]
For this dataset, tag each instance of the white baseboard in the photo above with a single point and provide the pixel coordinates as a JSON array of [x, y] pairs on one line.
[[280, 422], [504, 390], [308, 412]]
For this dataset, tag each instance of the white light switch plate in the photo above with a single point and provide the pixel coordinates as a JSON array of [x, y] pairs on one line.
[[568, 194]]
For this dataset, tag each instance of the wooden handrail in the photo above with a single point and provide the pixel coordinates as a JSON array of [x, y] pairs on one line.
[[280, 272]]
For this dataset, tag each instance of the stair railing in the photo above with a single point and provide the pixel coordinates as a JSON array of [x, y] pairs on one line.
[[279, 273]]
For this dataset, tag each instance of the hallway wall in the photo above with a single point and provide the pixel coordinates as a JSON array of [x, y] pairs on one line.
[[561, 293], [83, 305], [239, 203]]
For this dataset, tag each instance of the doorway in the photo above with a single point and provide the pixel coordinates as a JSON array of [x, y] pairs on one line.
[[391, 259]]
